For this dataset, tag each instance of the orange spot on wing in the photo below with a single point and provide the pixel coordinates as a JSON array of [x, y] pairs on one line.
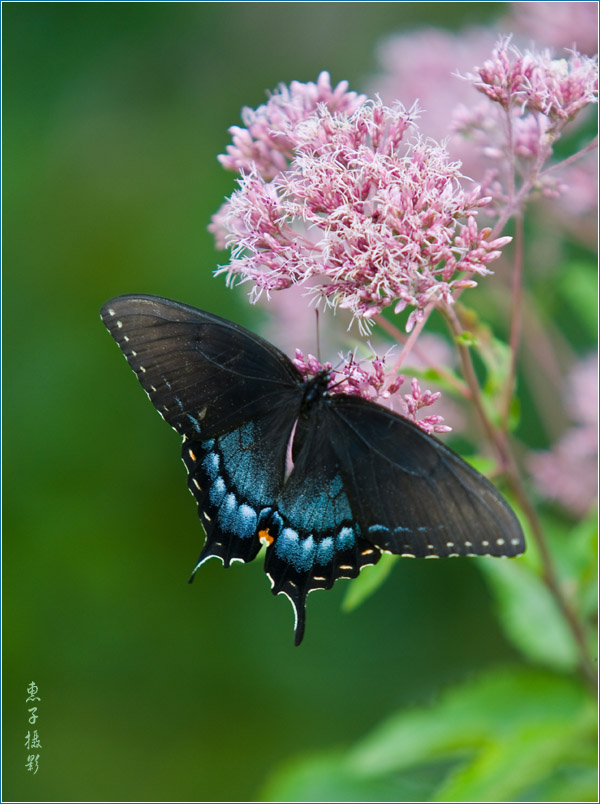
[[265, 537]]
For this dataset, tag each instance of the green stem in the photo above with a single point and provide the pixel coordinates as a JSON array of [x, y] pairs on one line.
[[506, 459]]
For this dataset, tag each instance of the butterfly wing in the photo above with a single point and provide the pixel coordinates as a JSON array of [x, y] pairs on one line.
[[204, 374], [412, 495], [362, 480], [312, 533], [232, 396]]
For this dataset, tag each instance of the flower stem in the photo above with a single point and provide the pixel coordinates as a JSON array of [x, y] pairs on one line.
[[591, 146], [506, 460], [400, 337], [515, 329]]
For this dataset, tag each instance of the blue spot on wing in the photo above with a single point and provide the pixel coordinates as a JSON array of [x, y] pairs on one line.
[[345, 539], [211, 465], [252, 478], [325, 551], [227, 512], [286, 546], [245, 522], [194, 422], [217, 491]]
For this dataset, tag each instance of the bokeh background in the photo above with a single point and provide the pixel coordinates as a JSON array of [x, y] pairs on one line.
[[152, 689]]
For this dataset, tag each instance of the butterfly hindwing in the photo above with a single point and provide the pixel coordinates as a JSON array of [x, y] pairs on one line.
[[237, 479], [414, 496], [313, 536]]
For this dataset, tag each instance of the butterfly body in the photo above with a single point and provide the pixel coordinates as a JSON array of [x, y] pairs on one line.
[[326, 482]]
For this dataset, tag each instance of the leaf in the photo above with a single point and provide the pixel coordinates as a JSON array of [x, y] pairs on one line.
[[368, 582], [576, 551], [329, 777], [495, 704], [505, 767], [578, 285], [490, 739], [529, 615], [466, 338], [483, 465]]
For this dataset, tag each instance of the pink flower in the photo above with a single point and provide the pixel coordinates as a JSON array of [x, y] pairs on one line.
[[568, 473], [360, 216], [266, 145], [421, 66], [562, 24], [540, 93], [533, 98], [536, 82], [374, 384]]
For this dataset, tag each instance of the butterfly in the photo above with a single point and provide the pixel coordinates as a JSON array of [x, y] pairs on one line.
[[326, 482]]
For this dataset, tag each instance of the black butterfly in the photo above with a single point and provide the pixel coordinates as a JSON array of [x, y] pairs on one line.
[[326, 482]]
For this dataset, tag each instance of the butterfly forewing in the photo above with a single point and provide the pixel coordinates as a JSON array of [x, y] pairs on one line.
[[204, 374]]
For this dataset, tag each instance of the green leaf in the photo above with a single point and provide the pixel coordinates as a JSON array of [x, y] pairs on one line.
[[492, 739], [466, 338], [575, 782], [576, 548], [529, 614], [504, 767], [368, 582], [578, 285], [514, 414], [329, 777], [496, 356], [485, 466]]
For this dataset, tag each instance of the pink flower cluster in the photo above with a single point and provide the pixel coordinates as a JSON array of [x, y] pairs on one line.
[[498, 144], [536, 96], [362, 216], [267, 143], [569, 473], [376, 385], [557, 24], [535, 82]]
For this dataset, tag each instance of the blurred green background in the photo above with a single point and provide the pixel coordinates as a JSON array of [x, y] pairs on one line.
[[152, 689]]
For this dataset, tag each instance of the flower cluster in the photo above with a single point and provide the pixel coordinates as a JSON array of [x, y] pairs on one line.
[[556, 24], [569, 473], [376, 385], [361, 216], [267, 143], [491, 141], [535, 82], [533, 97]]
